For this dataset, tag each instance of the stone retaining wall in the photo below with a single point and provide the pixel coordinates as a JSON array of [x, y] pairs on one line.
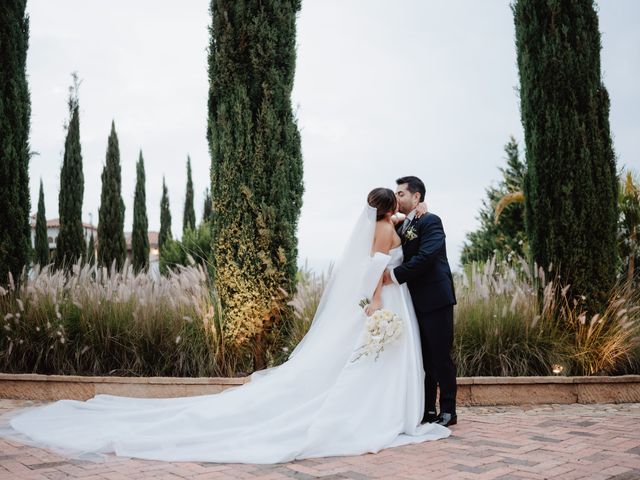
[[538, 390], [471, 390], [57, 387]]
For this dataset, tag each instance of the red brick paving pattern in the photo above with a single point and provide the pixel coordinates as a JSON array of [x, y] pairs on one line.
[[502, 443]]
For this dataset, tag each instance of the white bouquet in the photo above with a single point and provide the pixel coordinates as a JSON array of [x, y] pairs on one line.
[[381, 329]]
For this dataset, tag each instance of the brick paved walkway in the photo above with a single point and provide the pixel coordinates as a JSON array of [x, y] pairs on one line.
[[506, 443]]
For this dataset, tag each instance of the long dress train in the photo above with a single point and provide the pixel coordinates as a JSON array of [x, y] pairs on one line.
[[319, 403]]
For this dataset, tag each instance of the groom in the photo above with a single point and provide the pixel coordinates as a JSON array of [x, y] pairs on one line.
[[427, 274]]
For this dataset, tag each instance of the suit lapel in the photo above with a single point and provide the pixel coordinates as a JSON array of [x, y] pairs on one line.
[[411, 224], [399, 226]]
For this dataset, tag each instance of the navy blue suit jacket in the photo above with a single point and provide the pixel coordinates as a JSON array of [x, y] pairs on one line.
[[425, 268]]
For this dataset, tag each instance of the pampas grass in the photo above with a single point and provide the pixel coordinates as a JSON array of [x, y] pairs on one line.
[[499, 330], [95, 321], [511, 319]]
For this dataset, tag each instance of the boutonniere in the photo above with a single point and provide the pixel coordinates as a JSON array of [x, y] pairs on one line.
[[410, 234]]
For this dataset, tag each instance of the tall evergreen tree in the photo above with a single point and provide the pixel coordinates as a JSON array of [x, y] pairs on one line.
[[189, 216], [140, 234], [207, 210], [15, 113], [507, 235], [111, 242], [91, 250], [165, 217], [256, 163], [41, 243], [70, 243], [570, 185]]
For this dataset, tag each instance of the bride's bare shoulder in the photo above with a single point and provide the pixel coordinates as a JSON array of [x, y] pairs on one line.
[[384, 226], [384, 234]]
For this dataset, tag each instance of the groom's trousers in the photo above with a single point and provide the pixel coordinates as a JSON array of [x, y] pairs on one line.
[[436, 336]]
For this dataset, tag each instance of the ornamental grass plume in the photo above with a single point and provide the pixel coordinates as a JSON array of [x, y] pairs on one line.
[[511, 320], [95, 321], [305, 301], [499, 330], [608, 342]]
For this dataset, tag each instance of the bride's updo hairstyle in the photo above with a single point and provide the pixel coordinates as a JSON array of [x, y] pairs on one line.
[[383, 200]]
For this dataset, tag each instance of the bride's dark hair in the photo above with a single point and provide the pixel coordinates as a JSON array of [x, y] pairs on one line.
[[383, 200]]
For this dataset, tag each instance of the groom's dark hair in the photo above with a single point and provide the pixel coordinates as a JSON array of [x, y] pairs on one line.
[[414, 184]]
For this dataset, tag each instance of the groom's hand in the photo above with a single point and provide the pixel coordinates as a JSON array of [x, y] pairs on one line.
[[386, 278]]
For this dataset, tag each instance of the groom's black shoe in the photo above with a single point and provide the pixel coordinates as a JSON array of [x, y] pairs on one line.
[[429, 417], [446, 419]]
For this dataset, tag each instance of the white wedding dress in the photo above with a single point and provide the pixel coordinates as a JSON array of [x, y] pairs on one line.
[[319, 403]]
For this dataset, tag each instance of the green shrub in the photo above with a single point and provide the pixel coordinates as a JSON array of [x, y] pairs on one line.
[[194, 248]]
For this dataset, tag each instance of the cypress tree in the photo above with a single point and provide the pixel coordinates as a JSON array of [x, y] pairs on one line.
[[165, 217], [111, 242], [15, 113], [207, 211], [91, 250], [570, 184], [70, 243], [140, 235], [41, 243], [189, 216], [256, 163]]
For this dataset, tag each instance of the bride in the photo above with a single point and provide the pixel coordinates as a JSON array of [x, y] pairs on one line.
[[324, 401]]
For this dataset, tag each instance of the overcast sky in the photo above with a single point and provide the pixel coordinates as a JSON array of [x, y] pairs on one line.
[[425, 88]]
